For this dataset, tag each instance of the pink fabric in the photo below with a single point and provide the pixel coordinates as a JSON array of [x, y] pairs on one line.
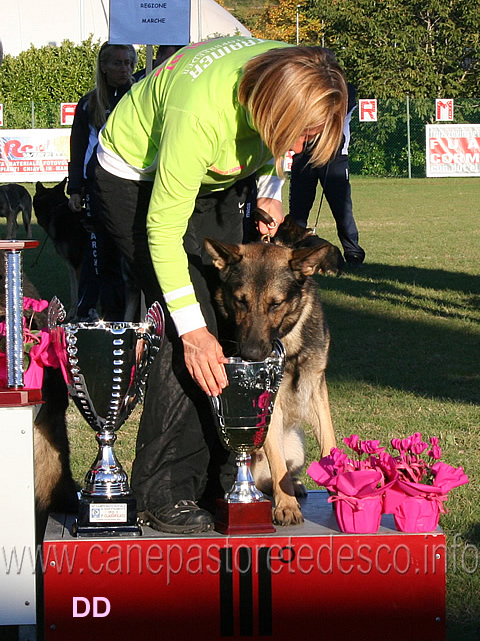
[[418, 514], [358, 516], [42, 355], [448, 477]]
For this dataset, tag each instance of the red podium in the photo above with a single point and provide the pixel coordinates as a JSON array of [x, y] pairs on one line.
[[307, 581]]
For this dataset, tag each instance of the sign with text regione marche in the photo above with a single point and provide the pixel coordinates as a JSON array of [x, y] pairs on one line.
[[148, 22]]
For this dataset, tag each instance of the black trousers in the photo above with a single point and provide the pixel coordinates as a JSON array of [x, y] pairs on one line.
[[178, 452], [336, 185], [101, 277]]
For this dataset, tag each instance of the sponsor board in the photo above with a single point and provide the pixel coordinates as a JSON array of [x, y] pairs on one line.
[[28, 155], [452, 150]]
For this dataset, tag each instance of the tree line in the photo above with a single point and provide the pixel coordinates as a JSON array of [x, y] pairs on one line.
[[388, 48]]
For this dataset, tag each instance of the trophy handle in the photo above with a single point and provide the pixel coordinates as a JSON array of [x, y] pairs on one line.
[[280, 351], [281, 354], [56, 313], [155, 317], [152, 341]]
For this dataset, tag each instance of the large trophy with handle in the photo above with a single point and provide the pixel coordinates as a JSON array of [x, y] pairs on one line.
[[106, 366], [243, 411]]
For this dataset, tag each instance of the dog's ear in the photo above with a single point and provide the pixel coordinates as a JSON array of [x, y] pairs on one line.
[[222, 254], [309, 260], [61, 186], [39, 188]]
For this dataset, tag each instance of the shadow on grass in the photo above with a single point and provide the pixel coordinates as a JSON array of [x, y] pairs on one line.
[[418, 342]]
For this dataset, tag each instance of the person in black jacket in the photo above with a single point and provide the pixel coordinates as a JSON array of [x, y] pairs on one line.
[[334, 179], [101, 270]]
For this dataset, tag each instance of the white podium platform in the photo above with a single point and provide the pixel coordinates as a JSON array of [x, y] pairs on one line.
[[18, 553]]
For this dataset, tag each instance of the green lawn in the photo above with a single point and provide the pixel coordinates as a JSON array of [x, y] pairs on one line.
[[405, 346]]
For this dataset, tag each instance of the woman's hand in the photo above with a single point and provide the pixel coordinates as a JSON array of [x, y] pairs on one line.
[[275, 210], [75, 203], [204, 360]]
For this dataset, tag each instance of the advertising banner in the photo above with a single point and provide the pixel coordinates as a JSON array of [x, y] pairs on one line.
[[28, 155], [452, 150]]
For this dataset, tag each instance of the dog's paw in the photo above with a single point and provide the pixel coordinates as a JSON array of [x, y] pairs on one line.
[[299, 488], [287, 512]]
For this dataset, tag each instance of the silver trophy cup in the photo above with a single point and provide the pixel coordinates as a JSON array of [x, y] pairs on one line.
[[106, 366], [243, 411]]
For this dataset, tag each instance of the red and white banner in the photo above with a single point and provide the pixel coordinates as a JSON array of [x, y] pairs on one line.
[[28, 155], [367, 110], [444, 109], [67, 112], [452, 150]]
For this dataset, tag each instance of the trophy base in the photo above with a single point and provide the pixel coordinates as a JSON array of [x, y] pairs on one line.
[[104, 517], [244, 518]]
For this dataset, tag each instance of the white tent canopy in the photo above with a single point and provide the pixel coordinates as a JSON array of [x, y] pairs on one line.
[[208, 20], [26, 22]]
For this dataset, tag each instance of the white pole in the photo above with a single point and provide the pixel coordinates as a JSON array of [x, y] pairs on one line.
[[82, 22], [195, 18], [199, 9], [149, 65], [409, 149]]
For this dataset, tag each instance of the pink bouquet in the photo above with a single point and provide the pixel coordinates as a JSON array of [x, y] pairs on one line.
[[356, 484], [420, 487], [405, 485], [38, 349]]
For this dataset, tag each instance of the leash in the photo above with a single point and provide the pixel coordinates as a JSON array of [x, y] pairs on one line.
[[314, 231], [34, 264], [264, 217]]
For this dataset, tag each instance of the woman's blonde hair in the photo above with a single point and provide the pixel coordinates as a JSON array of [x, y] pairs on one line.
[[288, 91], [98, 102]]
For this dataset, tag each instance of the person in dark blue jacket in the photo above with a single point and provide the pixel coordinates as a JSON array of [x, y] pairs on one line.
[[334, 179]]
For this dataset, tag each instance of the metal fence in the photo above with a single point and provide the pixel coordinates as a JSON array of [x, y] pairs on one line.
[[393, 146]]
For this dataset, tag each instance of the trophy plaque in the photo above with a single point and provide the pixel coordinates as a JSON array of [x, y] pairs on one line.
[[243, 411], [106, 367]]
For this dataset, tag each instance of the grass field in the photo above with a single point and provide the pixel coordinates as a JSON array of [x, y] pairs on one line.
[[405, 346]]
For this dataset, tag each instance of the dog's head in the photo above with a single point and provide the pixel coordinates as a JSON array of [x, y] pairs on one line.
[[265, 288], [46, 198]]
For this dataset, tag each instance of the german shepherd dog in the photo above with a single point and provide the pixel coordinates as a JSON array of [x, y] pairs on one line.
[[66, 231], [13, 200], [267, 290]]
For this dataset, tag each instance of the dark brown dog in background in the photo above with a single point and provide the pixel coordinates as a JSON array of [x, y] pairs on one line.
[[13, 200], [66, 231], [267, 292], [70, 235]]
